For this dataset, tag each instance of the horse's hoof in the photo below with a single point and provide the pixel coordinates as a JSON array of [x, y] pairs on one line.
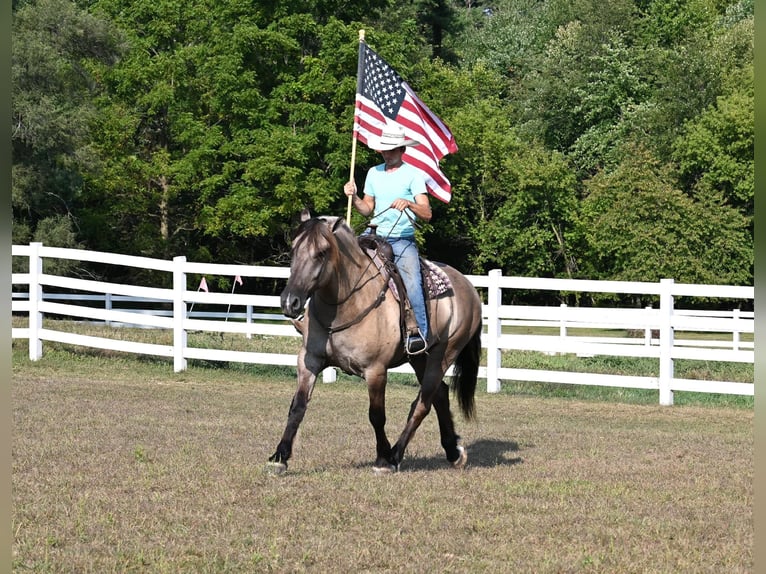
[[461, 459], [386, 469], [275, 468]]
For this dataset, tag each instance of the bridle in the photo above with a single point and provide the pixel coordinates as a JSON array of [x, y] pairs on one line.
[[352, 291], [378, 299]]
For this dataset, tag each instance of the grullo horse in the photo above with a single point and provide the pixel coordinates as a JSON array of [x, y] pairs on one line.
[[353, 322]]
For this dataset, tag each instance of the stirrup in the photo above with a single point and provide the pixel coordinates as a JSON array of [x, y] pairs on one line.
[[415, 344]]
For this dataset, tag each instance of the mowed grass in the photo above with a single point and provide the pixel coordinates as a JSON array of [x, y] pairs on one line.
[[121, 465]]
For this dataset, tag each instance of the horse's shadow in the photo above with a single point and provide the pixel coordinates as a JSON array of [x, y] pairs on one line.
[[482, 453], [491, 452]]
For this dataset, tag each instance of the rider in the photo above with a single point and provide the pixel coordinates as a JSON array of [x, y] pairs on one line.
[[395, 194]]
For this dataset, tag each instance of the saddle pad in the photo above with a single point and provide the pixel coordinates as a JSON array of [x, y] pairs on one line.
[[435, 279]]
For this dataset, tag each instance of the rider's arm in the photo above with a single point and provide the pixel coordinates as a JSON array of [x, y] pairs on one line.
[[364, 205]]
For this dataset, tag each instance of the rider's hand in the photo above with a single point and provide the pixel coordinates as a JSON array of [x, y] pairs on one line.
[[349, 188], [400, 204]]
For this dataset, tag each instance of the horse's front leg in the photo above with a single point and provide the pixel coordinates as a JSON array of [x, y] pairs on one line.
[[376, 387], [307, 376]]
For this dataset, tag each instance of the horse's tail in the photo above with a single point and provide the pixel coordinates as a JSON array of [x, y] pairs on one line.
[[465, 374]]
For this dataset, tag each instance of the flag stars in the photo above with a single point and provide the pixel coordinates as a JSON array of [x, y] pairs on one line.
[[383, 93]]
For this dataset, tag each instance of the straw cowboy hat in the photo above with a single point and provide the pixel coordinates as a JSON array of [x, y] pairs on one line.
[[391, 138]]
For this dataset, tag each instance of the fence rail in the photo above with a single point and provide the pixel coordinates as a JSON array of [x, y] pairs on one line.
[[173, 309]]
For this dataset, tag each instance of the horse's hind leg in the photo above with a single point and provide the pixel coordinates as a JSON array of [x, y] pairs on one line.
[[456, 454], [418, 411]]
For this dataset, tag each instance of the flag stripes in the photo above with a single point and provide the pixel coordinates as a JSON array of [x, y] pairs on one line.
[[383, 97]]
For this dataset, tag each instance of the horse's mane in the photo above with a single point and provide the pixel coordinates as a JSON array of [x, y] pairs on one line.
[[319, 236]]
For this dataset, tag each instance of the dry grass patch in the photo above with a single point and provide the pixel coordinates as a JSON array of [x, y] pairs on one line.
[[118, 467]]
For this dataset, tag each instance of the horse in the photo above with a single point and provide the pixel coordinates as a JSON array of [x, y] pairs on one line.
[[353, 322]]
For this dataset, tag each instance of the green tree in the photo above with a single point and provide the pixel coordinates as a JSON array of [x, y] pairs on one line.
[[513, 202], [201, 128], [223, 121], [716, 151], [689, 74], [215, 128], [585, 76], [637, 226], [528, 232], [55, 46], [507, 36]]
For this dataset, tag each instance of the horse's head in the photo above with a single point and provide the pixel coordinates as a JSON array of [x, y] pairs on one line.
[[314, 260]]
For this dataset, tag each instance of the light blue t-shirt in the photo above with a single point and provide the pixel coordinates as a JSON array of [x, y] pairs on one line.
[[406, 182]]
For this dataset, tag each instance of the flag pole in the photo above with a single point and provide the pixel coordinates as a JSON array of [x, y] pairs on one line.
[[353, 134], [226, 320], [237, 279], [201, 283]]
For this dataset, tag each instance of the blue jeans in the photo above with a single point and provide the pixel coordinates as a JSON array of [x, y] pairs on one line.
[[408, 261]]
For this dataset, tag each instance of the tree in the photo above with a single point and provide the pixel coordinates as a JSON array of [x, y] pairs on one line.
[[710, 50], [55, 46], [586, 75], [507, 36], [200, 128], [638, 227], [223, 123], [716, 151], [512, 201]]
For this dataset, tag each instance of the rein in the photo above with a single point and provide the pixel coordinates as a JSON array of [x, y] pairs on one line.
[[373, 305], [375, 302], [413, 221], [353, 289]]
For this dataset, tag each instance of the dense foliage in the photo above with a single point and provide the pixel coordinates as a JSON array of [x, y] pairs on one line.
[[604, 140]]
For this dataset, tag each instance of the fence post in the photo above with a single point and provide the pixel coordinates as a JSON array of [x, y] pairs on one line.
[[666, 341], [179, 314], [329, 375], [562, 326], [648, 328], [35, 297], [249, 320], [735, 332], [494, 330], [108, 306]]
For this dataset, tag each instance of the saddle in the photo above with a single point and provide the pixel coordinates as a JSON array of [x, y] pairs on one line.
[[435, 280]]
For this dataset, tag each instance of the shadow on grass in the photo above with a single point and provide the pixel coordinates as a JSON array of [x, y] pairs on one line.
[[483, 453]]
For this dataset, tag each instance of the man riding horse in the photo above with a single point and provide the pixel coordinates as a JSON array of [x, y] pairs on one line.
[[395, 195]]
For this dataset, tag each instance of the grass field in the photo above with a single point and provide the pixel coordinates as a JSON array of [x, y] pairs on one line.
[[121, 465]]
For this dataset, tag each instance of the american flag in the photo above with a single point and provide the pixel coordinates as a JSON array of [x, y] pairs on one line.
[[382, 96]]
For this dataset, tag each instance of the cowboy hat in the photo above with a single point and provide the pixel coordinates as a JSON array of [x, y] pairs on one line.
[[391, 138]]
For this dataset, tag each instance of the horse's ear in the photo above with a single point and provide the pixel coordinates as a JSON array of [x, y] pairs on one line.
[[338, 222], [305, 214]]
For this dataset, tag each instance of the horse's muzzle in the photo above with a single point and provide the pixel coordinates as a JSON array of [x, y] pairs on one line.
[[292, 305]]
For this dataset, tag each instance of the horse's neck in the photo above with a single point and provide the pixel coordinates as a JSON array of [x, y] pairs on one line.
[[355, 282]]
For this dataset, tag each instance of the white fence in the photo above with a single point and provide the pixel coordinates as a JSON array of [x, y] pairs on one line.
[[659, 326]]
